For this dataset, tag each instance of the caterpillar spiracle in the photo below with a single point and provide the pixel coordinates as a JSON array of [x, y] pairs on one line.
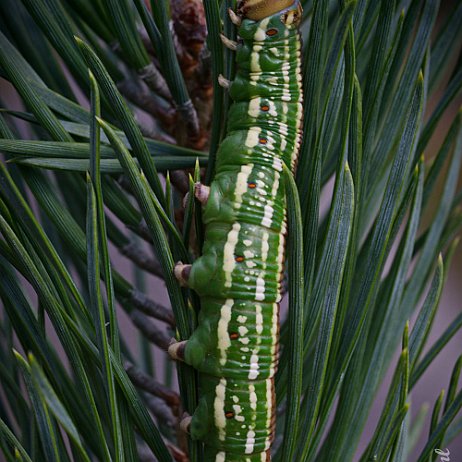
[[238, 276]]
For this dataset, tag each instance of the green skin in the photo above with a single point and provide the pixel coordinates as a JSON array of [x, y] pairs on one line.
[[238, 276]]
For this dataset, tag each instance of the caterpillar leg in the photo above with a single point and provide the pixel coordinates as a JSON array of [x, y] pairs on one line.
[[198, 425], [201, 193], [195, 276], [235, 19], [228, 43], [192, 351], [185, 422], [182, 273], [223, 82], [176, 350]]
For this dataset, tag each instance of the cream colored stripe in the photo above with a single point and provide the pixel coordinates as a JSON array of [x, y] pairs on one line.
[[219, 409], [224, 341], [229, 261]]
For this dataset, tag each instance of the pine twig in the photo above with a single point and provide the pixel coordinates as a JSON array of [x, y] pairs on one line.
[[140, 257], [150, 308], [149, 329], [142, 380]]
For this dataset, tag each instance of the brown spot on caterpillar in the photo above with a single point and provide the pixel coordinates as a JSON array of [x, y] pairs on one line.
[[265, 108], [252, 185], [229, 414], [271, 32], [234, 336], [262, 140], [239, 258]]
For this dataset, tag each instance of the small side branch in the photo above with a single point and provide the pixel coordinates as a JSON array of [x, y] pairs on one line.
[[142, 380], [149, 329], [139, 94], [161, 410], [155, 80], [155, 310], [141, 258]]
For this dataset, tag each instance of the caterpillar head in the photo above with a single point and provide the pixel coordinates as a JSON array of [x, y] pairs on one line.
[[268, 20], [257, 10]]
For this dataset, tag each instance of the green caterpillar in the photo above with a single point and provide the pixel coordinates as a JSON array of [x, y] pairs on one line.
[[238, 277]]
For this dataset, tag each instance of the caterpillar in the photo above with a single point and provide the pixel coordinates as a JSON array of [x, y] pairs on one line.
[[238, 276]]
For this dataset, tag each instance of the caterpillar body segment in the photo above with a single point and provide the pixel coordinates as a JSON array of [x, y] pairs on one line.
[[238, 277]]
